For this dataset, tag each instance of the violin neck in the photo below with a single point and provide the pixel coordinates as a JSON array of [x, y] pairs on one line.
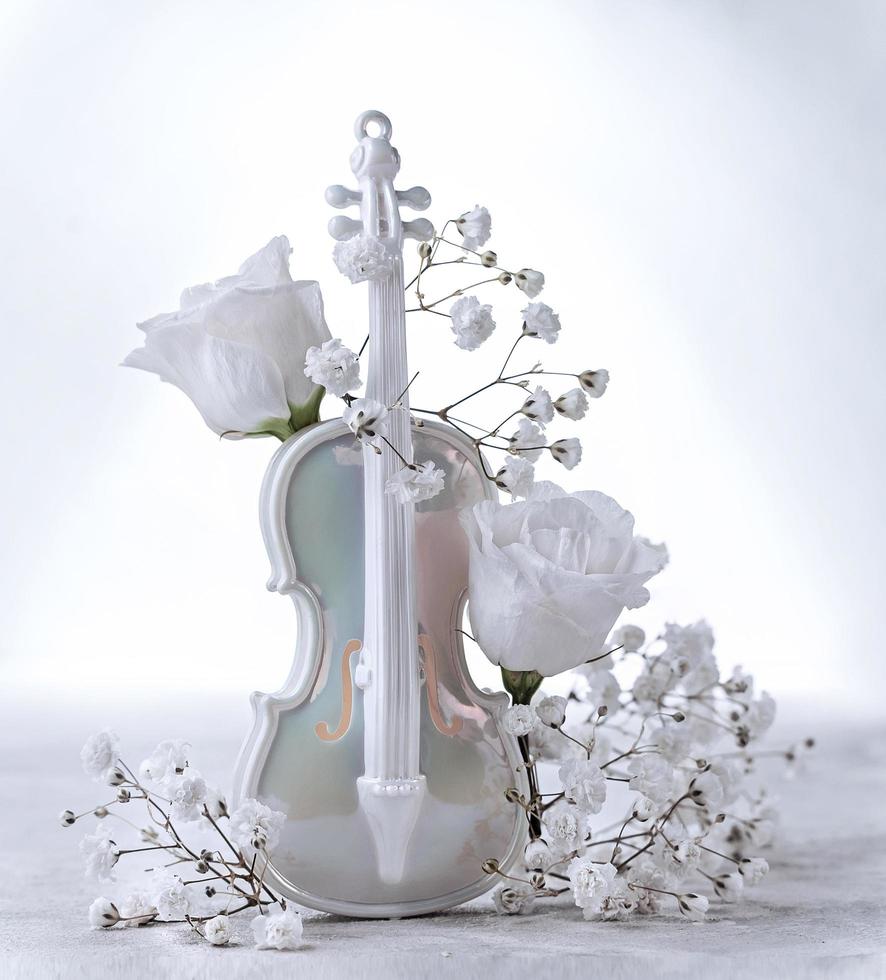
[[390, 645]]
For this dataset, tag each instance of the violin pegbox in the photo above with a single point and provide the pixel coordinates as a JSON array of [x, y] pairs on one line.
[[375, 164]]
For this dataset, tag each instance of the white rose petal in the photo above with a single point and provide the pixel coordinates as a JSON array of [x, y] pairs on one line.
[[236, 347]]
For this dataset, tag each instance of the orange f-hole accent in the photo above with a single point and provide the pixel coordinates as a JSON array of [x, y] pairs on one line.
[[430, 666], [347, 698]]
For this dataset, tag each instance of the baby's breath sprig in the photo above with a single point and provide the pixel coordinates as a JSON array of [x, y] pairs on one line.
[[198, 883], [691, 824]]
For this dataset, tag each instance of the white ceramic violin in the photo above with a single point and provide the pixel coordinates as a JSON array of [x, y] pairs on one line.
[[390, 764]]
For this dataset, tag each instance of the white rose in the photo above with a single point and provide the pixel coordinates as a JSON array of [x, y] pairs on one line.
[[471, 323], [237, 347], [334, 366], [475, 227], [550, 575]]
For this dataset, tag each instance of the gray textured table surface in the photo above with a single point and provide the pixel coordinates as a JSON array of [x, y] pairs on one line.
[[820, 913]]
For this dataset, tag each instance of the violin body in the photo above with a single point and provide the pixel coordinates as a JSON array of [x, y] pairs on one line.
[[390, 765], [298, 758]]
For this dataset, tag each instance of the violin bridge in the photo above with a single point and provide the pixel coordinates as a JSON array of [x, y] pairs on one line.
[[429, 664], [347, 698]]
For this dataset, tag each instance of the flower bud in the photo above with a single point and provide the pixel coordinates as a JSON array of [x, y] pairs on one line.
[[489, 259], [210, 891], [202, 867], [67, 818], [505, 278], [490, 866], [101, 812], [123, 795], [424, 250], [537, 881], [116, 777]]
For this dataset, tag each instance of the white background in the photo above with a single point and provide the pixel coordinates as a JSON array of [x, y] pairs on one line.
[[702, 183]]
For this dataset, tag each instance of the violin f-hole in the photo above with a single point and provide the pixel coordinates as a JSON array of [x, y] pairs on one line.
[[430, 667], [347, 698]]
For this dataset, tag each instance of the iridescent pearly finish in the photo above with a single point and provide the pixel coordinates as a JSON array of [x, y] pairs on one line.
[[312, 516]]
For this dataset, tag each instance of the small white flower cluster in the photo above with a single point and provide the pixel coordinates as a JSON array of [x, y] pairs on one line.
[[363, 259], [692, 824], [174, 793]]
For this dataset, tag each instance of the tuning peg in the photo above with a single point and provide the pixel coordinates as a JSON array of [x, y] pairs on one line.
[[417, 198], [421, 228], [342, 228], [340, 197]]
